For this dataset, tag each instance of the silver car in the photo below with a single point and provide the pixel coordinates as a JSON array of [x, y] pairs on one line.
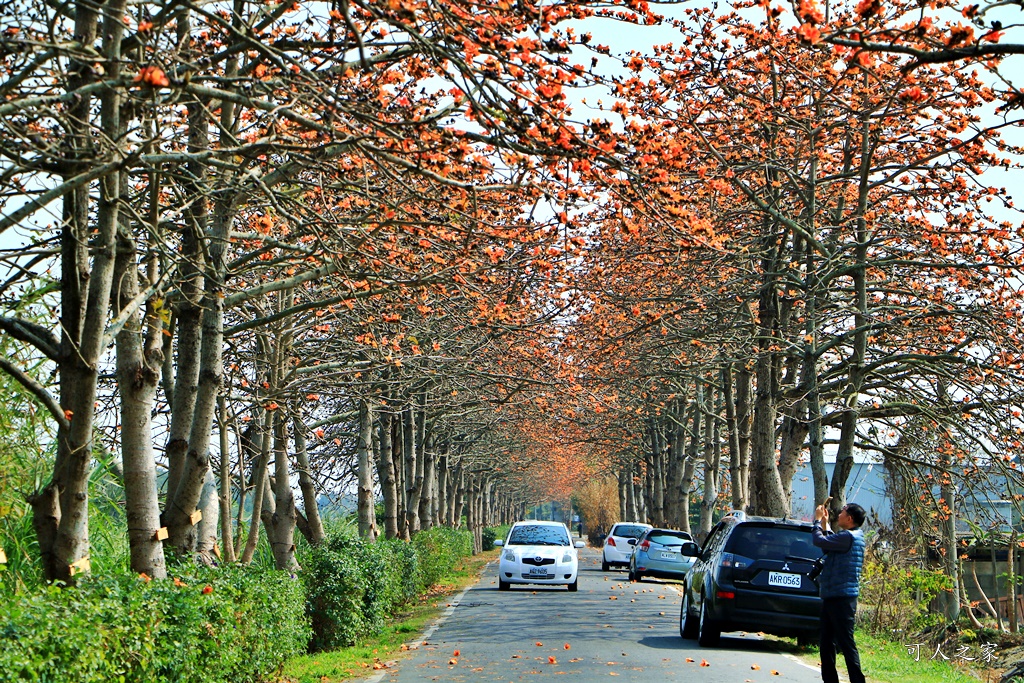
[[657, 554]]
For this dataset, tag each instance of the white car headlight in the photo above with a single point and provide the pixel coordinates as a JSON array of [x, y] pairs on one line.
[[567, 558], [510, 556]]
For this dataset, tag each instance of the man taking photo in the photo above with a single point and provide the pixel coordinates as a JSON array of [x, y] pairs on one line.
[[839, 584]]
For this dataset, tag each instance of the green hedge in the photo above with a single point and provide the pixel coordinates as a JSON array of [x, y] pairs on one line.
[[229, 624], [354, 587], [492, 533]]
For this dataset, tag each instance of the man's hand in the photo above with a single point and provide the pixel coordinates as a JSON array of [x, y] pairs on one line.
[[821, 514]]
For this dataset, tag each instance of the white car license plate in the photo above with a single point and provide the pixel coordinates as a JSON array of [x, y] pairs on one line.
[[783, 580], [668, 556], [538, 571]]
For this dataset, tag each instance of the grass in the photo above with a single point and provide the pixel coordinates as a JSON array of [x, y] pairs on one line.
[[380, 651], [885, 661]]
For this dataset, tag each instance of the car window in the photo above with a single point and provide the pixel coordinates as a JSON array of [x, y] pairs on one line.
[[669, 537], [713, 542], [629, 530], [772, 543], [530, 534]]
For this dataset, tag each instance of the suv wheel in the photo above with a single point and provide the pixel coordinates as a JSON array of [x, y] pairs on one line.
[[574, 586], [503, 585], [687, 622], [605, 566], [708, 631]]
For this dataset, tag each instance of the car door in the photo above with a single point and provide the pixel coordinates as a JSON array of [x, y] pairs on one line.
[[698, 574]]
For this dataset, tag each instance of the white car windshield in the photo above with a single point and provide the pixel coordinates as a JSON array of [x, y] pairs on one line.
[[538, 535]]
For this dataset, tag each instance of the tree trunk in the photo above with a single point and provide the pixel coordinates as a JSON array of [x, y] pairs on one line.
[[947, 528], [658, 458], [851, 414], [259, 484], [314, 531], [428, 487], [197, 458], [459, 482], [632, 514], [208, 527], [189, 314], [732, 432], [398, 450], [690, 462], [442, 487], [386, 475], [61, 509], [413, 475], [365, 510], [283, 542], [712, 457], [674, 463], [225, 480], [768, 496], [138, 373], [743, 428]]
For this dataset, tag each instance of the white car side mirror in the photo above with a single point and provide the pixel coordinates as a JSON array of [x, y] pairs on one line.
[[580, 544], [498, 543]]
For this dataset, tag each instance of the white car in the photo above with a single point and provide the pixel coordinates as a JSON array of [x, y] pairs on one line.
[[619, 544], [538, 552]]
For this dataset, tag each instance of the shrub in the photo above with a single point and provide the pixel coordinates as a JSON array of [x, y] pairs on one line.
[[335, 587], [896, 595], [492, 533], [214, 625], [354, 587], [439, 549]]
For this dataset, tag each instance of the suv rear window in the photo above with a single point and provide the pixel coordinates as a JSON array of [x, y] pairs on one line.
[[628, 530], [771, 542]]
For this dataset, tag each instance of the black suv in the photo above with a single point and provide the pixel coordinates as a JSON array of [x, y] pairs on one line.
[[752, 575]]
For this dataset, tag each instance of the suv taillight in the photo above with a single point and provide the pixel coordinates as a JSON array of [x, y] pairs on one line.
[[735, 561], [645, 546], [611, 541]]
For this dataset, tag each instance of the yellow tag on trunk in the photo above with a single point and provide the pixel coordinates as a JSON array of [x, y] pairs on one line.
[[82, 565], [195, 517]]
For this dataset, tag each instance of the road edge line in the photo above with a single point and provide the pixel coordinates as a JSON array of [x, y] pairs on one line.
[[434, 625]]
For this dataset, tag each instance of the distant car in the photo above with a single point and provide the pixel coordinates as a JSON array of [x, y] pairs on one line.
[[751, 574], [538, 552], [619, 543], [657, 554]]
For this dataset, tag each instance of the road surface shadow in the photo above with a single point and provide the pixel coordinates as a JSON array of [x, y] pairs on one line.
[[730, 641]]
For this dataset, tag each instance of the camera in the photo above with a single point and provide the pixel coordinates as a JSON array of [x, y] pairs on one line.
[[819, 564]]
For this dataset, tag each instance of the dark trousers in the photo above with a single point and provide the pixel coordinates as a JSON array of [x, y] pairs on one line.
[[837, 618]]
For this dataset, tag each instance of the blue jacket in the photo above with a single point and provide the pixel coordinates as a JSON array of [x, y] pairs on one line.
[[844, 557]]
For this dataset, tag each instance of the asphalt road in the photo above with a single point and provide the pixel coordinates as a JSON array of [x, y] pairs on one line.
[[609, 629]]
